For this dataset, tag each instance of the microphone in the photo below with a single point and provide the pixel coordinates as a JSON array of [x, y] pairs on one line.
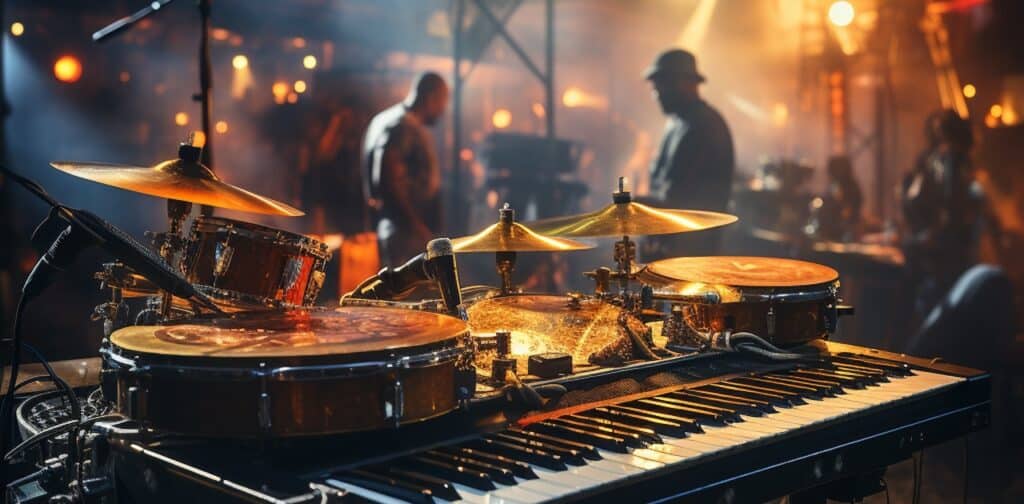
[[437, 264]]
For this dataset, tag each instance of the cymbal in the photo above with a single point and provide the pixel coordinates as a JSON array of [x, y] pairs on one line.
[[509, 236], [740, 271], [179, 180], [342, 331], [626, 219]]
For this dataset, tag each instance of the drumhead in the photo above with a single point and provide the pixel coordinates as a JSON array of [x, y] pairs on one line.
[[206, 224], [342, 333], [739, 271]]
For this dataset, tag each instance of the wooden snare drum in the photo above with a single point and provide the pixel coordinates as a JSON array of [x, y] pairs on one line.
[[254, 266], [782, 300], [291, 373]]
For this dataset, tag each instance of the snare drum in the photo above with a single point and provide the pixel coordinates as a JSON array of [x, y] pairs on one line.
[[291, 373], [239, 263], [782, 300]]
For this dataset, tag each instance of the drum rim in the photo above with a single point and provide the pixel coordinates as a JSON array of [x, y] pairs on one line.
[[255, 231]]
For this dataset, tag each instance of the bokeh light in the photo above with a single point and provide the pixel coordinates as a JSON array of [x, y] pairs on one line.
[[300, 86], [240, 62], [181, 118], [309, 61], [67, 69], [970, 91], [221, 127], [502, 118], [17, 29], [841, 13]]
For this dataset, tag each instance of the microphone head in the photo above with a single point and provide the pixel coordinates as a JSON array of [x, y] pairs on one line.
[[439, 247]]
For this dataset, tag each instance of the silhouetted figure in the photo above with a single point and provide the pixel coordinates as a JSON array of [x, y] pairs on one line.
[[695, 161], [836, 215], [402, 182]]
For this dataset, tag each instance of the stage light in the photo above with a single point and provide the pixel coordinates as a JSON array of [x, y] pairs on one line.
[[181, 118], [280, 91], [970, 91], [67, 69], [572, 97], [502, 118], [996, 110], [298, 42], [17, 29], [538, 109], [300, 86], [221, 127], [219, 34], [991, 121], [309, 61], [240, 62], [841, 13], [198, 138]]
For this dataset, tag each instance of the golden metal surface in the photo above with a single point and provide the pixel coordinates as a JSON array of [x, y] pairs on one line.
[[546, 323], [178, 180], [514, 237], [294, 333], [630, 219], [742, 271]]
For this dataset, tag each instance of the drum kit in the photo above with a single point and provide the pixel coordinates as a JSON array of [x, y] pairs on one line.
[[272, 364]]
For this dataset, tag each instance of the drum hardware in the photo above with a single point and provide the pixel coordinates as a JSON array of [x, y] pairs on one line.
[[507, 237]]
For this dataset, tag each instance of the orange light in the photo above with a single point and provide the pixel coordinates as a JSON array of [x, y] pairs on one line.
[[996, 110], [300, 86], [991, 121], [466, 154], [841, 13], [219, 34], [181, 118], [240, 62], [780, 114], [502, 118], [538, 109], [124, 77], [17, 29], [298, 42], [309, 61], [970, 91], [198, 139], [221, 127], [573, 97], [280, 91], [293, 98], [67, 69]]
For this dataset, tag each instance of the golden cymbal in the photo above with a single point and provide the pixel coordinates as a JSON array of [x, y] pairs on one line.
[[509, 236], [179, 180], [630, 219], [739, 272]]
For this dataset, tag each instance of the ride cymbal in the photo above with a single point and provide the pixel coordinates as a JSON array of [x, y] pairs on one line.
[[177, 179], [630, 219], [509, 236]]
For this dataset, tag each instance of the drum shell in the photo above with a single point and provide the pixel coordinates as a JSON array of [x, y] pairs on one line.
[[178, 396], [780, 323], [258, 266]]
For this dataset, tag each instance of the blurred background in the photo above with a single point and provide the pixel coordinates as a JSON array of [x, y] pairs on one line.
[[295, 84]]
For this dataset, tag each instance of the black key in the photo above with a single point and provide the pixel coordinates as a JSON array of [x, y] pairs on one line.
[[630, 438], [725, 412], [499, 474], [458, 474], [439, 487], [895, 368], [701, 416], [659, 425], [743, 408], [520, 453], [877, 374], [603, 441], [785, 394], [646, 434], [657, 414], [751, 392], [831, 387], [847, 381], [588, 451], [763, 406], [801, 390], [519, 469], [388, 485], [568, 455]]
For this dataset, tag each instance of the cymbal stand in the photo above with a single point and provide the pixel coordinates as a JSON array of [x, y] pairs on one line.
[[505, 262], [625, 250]]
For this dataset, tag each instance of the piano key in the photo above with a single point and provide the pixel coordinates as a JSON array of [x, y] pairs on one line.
[[702, 417], [830, 387], [568, 456], [600, 440], [802, 390], [632, 439], [763, 406], [387, 485], [846, 381], [735, 389], [868, 370], [867, 379], [496, 473], [519, 469], [516, 494], [371, 495], [726, 412], [588, 451], [453, 473], [897, 369], [646, 434], [738, 407], [661, 426], [688, 424], [793, 396], [439, 487], [530, 456]]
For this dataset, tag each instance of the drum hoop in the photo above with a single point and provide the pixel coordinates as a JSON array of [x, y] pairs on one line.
[[813, 292], [312, 372], [213, 225]]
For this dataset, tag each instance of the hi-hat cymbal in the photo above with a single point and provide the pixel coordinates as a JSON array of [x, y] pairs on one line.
[[509, 236], [630, 219], [179, 180]]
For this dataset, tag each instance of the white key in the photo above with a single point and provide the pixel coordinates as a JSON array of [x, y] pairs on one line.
[[364, 492]]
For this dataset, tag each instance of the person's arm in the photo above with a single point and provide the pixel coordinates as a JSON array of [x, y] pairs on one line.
[[395, 183]]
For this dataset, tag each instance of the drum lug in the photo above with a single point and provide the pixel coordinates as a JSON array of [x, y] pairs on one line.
[[136, 403], [264, 411], [770, 321], [394, 409]]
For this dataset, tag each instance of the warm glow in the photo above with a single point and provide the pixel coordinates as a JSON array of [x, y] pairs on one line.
[[841, 13], [280, 91], [502, 118], [240, 62], [67, 69], [219, 34], [198, 139], [124, 77], [17, 29], [293, 98], [970, 91], [466, 154], [309, 61], [300, 86], [780, 114], [991, 121], [221, 127], [573, 97], [538, 109], [181, 118], [996, 110], [298, 42], [1009, 116]]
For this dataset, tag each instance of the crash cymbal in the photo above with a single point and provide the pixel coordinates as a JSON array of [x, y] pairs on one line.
[[630, 219], [509, 236], [177, 179]]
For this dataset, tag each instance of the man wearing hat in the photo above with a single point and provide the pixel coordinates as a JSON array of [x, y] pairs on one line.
[[694, 165]]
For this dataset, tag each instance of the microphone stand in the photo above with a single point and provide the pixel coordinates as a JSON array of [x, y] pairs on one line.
[[205, 70]]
